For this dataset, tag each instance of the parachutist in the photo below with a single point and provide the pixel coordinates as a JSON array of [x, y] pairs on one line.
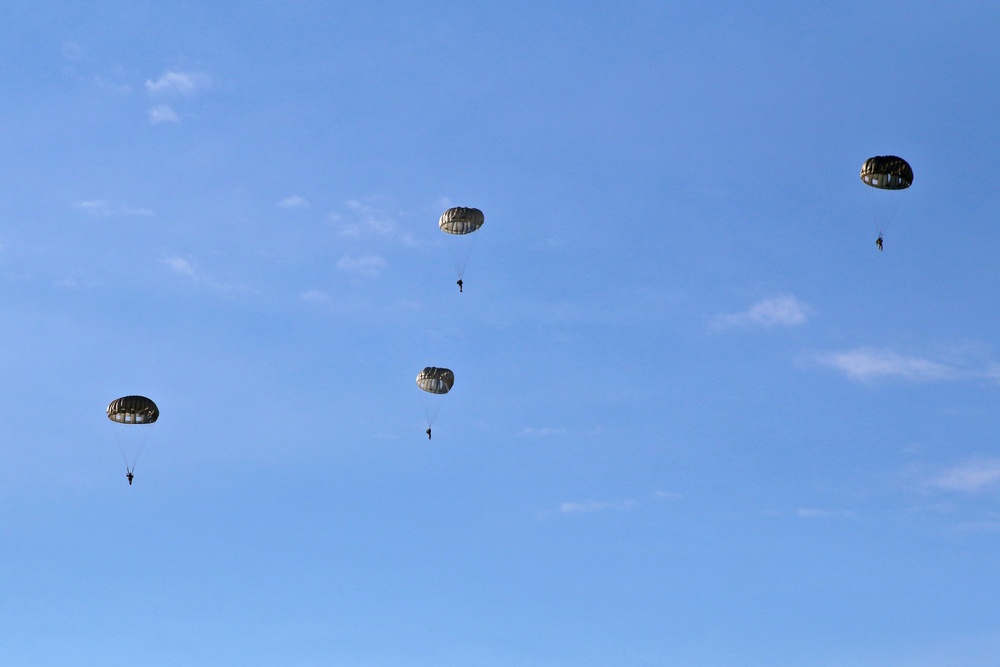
[[130, 476], [459, 283], [428, 433], [878, 242]]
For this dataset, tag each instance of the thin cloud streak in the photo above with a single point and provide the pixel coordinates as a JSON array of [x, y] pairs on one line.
[[868, 364], [368, 265], [180, 266], [101, 208], [589, 506], [541, 432], [780, 311], [573, 507], [294, 202], [970, 477], [316, 296], [365, 222], [177, 83], [815, 513], [190, 270], [163, 113]]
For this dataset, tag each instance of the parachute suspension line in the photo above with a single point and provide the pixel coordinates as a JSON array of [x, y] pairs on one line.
[[462, 260], [882, 212], [432, 406], [131, 444]]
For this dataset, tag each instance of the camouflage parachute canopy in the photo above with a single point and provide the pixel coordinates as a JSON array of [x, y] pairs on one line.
[[461, 220], [133, 410], [436, 380], [887, 172]]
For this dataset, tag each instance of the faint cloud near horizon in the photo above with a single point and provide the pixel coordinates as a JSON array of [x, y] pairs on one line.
[[783, 311]]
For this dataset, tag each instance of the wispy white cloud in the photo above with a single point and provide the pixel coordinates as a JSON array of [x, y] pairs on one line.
[[783, 311], [181, 266], [163, 113], [541, 432], [93, 206], [815, 513], [367, 265], [116, 88], [293, 201], [867, 364], [190, 270], [361, 222], [589, 506], [981, 526], [316, 296], [365, 221], [572, 507], [173, 84], [71, 51], [101, 208], [970, 477], [178, 83]]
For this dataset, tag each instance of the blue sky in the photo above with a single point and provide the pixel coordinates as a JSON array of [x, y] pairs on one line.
[[698, 418]]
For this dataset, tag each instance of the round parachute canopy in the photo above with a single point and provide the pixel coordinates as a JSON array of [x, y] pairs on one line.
[[436, 380], [887, 172], [461, 220], [133, 410]]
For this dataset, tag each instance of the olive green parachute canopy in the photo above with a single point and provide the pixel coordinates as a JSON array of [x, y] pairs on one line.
[[461, 220], [133, 410], [887, 172], [436, 380]]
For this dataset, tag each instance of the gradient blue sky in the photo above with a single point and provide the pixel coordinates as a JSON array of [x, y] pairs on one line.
[[698, 418]]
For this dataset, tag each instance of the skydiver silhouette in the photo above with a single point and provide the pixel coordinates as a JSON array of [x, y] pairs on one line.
[[878, 242], [460, 283], [428, 432], [130, 476]]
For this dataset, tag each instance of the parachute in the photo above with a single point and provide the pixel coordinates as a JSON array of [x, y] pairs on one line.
[[435, 384], [132, 415], [133, 410], [887, 172], [436, 380], [461, 220], [461, 223], [886, 175]]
